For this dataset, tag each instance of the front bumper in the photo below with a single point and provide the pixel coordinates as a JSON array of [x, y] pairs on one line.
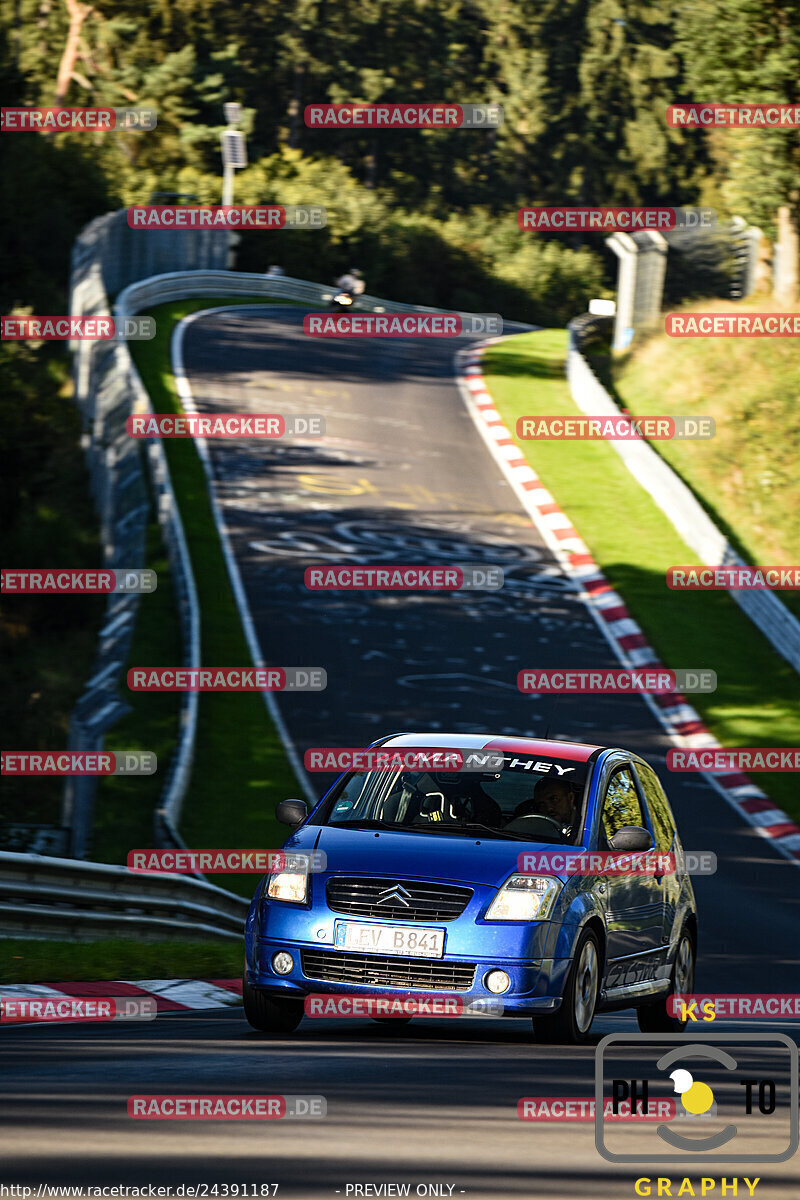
[[472, 949]]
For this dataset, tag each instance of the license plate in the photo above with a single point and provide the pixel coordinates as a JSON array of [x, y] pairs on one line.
[[390, 939]]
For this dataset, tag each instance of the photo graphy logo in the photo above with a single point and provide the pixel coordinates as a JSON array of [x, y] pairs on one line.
[[737, 1096]]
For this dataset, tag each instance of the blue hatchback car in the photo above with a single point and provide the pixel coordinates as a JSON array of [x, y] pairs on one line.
[[433, 883]]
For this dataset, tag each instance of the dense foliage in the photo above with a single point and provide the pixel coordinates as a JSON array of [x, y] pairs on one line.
[[584, 85]]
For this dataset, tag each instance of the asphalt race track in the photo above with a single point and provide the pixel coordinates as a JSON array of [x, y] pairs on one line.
[[402, 477]]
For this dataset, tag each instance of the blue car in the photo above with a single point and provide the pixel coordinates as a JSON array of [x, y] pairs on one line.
[[464, 882]]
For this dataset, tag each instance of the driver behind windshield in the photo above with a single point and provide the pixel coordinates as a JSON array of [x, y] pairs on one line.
[[552, 798]]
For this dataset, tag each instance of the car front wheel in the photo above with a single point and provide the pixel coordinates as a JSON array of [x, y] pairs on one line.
[[656, 1017], [270, 1014], [574, 1019]]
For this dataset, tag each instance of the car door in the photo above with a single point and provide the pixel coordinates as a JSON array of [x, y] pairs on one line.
[[633, 904], [662, 825]]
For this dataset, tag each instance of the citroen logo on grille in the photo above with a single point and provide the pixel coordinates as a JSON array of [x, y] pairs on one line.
[[394, 895]]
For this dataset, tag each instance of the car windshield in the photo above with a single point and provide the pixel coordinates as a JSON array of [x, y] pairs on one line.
[[529, 799]]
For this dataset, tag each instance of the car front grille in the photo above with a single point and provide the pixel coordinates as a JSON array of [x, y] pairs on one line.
[[401, 899], [387, 971]]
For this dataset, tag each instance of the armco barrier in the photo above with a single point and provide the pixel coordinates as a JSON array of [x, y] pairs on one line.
[[108, 389], [680, 506], [45, 897], [136, 298]]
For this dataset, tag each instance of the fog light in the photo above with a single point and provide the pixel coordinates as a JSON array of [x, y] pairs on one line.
[[497, 981], [282, 962]]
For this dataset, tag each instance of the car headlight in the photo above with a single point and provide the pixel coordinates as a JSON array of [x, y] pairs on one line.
[[288, 885], [524, 898]]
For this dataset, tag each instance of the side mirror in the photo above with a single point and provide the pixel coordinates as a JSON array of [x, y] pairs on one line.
[[631, 837], [291, 812]]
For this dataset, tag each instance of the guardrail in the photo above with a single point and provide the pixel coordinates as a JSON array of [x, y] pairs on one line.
[[181, 285], [109, 389], [57, 898], [146, 294], [679, 505]]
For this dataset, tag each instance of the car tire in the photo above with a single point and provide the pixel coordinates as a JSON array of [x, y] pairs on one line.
[[573, 1021], [655, 1017], [270, 1014]]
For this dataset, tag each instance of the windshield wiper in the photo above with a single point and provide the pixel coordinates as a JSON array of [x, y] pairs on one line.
[[362, 823], [453, 827]]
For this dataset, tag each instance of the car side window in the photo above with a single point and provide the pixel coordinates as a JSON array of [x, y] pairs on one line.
[[622, 805], [663, 822]]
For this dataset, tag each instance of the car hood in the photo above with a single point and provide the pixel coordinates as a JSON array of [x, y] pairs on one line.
[[452, 859]]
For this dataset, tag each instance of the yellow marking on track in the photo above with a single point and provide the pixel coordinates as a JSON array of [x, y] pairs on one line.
[[331, 486]]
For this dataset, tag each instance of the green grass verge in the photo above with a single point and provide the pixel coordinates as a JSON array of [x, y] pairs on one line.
[[240, 769], [747, 476], [23, 961], [125, 804], [756, 702]]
